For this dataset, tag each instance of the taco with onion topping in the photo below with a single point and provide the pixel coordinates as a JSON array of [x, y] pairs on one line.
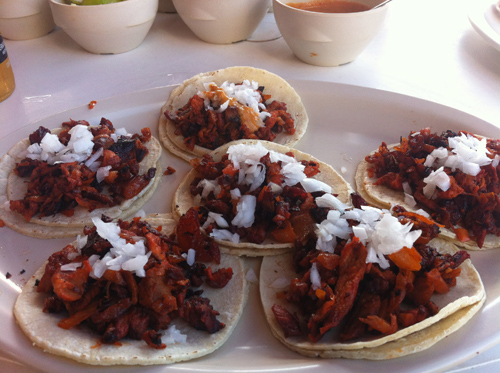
[[369, 284], [53, 182], [257, 197], [453, 177], [139, 292], [214, 108]]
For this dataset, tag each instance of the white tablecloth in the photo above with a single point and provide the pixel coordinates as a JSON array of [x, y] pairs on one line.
[[427, 49]]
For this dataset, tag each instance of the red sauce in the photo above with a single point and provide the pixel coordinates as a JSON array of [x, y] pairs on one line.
[[329, 6], [169, 171]]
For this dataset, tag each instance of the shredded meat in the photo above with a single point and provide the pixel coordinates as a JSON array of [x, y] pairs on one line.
[[351, 271], [287, 321], [199, 313]]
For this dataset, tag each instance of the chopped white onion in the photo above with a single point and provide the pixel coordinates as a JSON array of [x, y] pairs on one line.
[[438, 178], [208, 186], [378, 230], [122, 255], [315, 277], [468, 154], [311, 185], [173, 335], [94, 157], [245, 93], [102, 173], [219, 219], [225, 235], [245, 208], [191, 255], [51, 150], [70, 267], [81, 241], [330, 201], [275, 188]]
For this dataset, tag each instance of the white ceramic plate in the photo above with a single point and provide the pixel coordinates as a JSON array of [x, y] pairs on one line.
[[346, 123], [485, 18]]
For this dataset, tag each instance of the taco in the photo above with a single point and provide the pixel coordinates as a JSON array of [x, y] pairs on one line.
[[214, 108], [257, 197], [451, 176], [139, 296], [54, 182], [370, 284]]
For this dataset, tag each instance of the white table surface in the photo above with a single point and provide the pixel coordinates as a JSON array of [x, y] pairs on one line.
[[427, 49]]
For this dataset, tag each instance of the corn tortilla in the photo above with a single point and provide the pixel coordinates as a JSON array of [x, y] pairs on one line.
[[13, 187], [274, 85], [459, 304], [80, 343], [183, 200]]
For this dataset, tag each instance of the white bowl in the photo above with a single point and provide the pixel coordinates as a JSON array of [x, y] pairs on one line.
[[25, 19], [166, 6], [328, 39], [109, 28], [222, 21]]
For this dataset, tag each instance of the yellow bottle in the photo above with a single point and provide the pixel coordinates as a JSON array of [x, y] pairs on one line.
[[7, 83]]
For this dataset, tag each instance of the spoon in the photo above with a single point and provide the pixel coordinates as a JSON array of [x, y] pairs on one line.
[[381, 4]]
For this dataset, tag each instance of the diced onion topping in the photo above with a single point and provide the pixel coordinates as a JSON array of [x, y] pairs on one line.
[[122, 255], [315, 277], [245, 93], [102, 173], [468, 154], [330, 201], [191, 255], [173, 335], [71, 266], [438, 178], [378, 230], [409, 199], [51, 150], [245, 208], [224, 234], [209, 186], [246, 159], [311, 185], [215, 218]]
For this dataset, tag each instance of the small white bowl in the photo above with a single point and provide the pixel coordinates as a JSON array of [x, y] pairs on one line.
[[166, 6], [222, 21], [25, 19], [109, 28], [328, 39]]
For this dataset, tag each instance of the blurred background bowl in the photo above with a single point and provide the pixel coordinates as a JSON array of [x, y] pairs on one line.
[[328, 39], [25, 19], [109, 28], [166, 6], [222, 21]]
